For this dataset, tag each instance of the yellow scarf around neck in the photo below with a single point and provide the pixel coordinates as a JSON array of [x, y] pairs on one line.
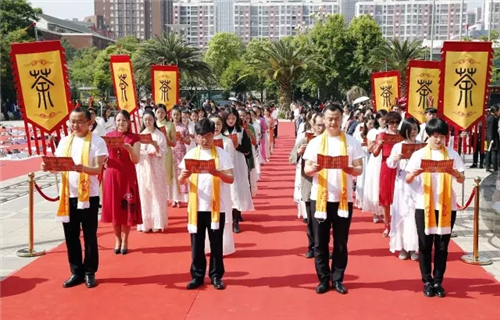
[[443, 226], [193, 195], [83, 182], [322, 197]]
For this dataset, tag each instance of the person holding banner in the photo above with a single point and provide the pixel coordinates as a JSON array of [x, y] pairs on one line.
[[121, 205], [435, 203], [79, 196], [206, 206], [331, 196]]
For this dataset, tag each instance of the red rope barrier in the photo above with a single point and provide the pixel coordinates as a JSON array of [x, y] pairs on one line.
[[468, 201], [46, 197]]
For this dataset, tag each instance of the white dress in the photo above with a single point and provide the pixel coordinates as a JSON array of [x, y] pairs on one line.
[[228, 238], [372, 179], [190, 126], [360, 180], [240, 188], [403, 226], [268, 139], [151, 178], [297, 194], [256, 153]]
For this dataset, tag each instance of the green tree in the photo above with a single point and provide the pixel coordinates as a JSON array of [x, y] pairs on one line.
[[255, 79], [69, 50], [82, 67], [284, 61], [16, 17], [223, 48], [395, 55], [232, 78], [170, 49]]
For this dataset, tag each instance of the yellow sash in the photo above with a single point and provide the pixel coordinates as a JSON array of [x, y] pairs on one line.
[[193, 195], [443, 226], [83, 182], [322, 197]]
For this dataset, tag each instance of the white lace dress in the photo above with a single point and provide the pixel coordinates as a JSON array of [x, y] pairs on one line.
[[360, 180], [297, 195], [151, 177], [372, 178], [403, 226], [228, 238]]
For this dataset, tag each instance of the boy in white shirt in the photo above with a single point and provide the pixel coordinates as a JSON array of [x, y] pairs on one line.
[[206, 201]]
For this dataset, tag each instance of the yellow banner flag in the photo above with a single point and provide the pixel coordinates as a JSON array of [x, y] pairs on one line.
[[124, 83], [465, 70], [42, 83], [385, 89], [422, 86], [165, 85]]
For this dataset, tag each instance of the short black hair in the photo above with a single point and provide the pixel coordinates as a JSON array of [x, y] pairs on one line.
[[333, 107], [431, 110], [204, 126], [436, 125], [84, 111], [393, 116], [407, 126]]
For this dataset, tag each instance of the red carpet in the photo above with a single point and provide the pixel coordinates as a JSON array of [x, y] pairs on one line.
[[14, 168], [267, 278]]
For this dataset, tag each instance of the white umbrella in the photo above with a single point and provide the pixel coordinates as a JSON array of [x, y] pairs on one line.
[[232, 99], [360, 99]]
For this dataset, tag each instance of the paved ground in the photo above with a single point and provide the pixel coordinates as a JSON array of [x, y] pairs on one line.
[[49, 234]]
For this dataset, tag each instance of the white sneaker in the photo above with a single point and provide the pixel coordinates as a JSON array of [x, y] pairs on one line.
[[413, 255], [403, 255]]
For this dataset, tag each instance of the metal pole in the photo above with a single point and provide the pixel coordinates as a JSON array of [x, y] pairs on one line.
[[460, 25], [36, 32], [432, 27], [30, 251], [474, 258]]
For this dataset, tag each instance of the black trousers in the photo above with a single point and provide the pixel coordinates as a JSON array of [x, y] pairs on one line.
[[478, 155], [425, 244], [276, 129], [322, 239], [310, 229], [199, 260], [87, 220]]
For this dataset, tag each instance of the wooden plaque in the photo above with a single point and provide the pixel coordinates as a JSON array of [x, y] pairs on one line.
[[59, 163], [408, 149], [437, 166], [146, 138], [200, 166], [329, 162]]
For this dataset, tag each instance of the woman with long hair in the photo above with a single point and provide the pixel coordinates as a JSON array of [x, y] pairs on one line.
[[240, 189], [182, 140], [121, 204], [168, 129], [151, 176], [369, 123], [107, 121]]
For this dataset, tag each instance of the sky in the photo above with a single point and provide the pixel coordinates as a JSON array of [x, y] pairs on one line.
[[69, 9]]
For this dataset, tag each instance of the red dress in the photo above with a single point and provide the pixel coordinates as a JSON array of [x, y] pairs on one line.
[[387, 175], [121, 204]]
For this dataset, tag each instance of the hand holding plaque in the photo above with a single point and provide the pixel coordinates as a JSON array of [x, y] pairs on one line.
[[437, 166], [58, 164], [113, 142], [200, 166], [330, 162], [146, 138]]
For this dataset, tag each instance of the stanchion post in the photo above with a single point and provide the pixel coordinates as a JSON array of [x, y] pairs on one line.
[[475, 258], [30, 251]]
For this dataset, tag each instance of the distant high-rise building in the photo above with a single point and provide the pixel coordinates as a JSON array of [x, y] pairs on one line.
[[412, 19], [139, 18], [492, 15], [348, 9]]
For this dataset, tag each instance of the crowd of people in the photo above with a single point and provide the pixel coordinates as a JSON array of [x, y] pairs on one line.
[[417, 208], [141, 179]]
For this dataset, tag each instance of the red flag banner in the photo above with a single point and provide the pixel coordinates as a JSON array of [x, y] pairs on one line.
[[422, 83], [385, 89], [124, 82], [165, 85]]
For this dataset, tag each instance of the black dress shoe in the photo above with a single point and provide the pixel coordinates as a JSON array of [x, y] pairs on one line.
[[330, 256], [117, 250], [322, 287], [218, 284], [429, 290], [74, 280], [236, 227], [439, 290], [124, 251], [310, 254], [339, 287], [90, 281], [304, 220], [195, 283]]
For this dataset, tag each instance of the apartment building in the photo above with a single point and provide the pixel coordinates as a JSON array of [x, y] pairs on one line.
[[139, 18], [412, 19], [492, 15]]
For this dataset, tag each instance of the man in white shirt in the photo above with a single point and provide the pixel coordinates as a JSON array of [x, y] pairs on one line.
[[204, 130], [333, 122], [86, 219], [437, 131], [430, 113]]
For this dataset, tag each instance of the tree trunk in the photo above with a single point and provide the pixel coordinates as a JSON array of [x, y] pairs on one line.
[[285, 94]]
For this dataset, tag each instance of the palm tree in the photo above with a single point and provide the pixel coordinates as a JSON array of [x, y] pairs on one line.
[[170, 49], [395, 55], [284, 61]]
